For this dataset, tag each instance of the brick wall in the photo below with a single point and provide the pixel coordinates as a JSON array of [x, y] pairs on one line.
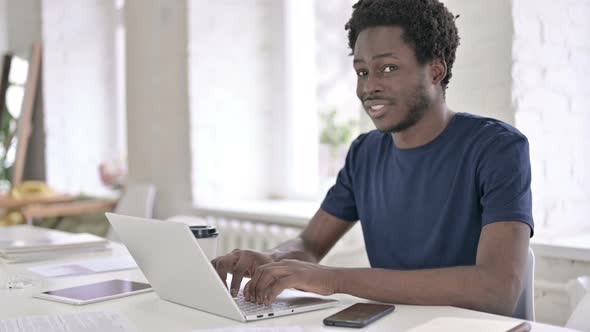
[[551, 97], [551, 94]]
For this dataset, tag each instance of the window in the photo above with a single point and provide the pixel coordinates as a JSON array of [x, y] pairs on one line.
[[14, 96], [266, 102], [84, 92]]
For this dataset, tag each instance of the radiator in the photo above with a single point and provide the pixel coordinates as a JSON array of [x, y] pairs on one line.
[[243, 234]]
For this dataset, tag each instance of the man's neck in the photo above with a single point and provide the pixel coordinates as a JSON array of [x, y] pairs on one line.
[[426, 130]]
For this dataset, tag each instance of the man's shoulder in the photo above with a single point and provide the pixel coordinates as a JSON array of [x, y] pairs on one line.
[[486, 127], [492, 139]]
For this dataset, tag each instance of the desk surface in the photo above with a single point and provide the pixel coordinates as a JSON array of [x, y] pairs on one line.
[[149, 313]]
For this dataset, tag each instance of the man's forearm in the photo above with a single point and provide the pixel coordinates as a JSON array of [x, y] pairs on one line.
[[316, 239], [293, 249], [471, 287]]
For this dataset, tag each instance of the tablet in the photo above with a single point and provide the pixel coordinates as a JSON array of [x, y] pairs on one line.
[[91, 293]]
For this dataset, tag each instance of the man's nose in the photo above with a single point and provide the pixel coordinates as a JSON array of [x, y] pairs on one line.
[[373, 85]]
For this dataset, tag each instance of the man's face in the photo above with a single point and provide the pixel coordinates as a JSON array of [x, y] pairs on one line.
[[393, 87]]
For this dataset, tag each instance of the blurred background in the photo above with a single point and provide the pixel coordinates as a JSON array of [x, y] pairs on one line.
[[241, 112]]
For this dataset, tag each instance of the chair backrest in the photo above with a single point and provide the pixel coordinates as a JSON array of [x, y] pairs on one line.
[[525, 308], [579, 291], [137, 200]]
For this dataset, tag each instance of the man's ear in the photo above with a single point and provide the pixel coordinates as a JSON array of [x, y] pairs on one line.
[[438, 69]]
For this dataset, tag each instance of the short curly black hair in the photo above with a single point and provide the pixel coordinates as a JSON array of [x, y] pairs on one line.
[[427, 25]]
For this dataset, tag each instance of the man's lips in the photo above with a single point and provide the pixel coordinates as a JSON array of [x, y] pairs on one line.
[[377, 111], [376, 108]]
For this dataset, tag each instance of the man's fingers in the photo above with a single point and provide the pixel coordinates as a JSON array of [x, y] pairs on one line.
[[267, 277], [252, 283], [246, 290], [278, 287], [241, 267], [252, 290], [236, 281], [222, 276], [253, 296], [224, 264]]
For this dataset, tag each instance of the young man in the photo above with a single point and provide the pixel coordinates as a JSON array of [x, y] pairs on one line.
[[443, 198]]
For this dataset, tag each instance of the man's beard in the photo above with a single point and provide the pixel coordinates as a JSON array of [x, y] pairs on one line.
[[417, 107]]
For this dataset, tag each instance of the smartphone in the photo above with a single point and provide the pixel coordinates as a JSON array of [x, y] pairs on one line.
[[359, 315], [91, 293]]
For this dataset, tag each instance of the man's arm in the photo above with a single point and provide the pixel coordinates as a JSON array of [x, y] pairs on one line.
[[314, 242], [493, 284]]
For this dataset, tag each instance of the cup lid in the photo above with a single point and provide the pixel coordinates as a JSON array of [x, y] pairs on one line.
[[204, 231]]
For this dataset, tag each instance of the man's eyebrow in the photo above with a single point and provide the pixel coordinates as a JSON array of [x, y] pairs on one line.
[[383, 55]]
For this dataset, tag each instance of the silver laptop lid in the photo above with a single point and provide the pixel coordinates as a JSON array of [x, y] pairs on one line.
[[174, 264]]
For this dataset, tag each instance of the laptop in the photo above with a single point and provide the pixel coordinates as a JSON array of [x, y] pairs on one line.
[[170, 258]]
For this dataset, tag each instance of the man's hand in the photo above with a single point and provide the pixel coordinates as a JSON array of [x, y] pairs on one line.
[[240, 263], [271, 279]]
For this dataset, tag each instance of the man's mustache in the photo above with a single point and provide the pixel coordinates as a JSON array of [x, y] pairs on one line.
[[391, 100]]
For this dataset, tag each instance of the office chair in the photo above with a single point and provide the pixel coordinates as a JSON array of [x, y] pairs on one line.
[[579, 292], [137, 200], [525, 308]]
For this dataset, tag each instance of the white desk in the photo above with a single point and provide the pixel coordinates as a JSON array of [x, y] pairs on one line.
[[149, 313]]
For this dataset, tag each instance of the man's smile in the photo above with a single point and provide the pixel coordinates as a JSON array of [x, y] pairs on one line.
[[377, 108]]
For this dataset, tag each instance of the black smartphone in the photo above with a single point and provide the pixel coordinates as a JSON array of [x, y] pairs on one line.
[[359, 315]]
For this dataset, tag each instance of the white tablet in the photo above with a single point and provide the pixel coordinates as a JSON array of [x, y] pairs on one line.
[[91, 293]]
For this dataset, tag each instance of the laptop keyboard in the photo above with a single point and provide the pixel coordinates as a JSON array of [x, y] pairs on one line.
[[252, 308]]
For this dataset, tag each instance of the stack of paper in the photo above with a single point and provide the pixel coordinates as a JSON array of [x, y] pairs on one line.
[[76, 322], [85, 267], [471, 324], [23, 243]]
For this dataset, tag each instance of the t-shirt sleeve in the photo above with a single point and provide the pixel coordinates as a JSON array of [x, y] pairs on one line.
[[505, 181], [340, 201]]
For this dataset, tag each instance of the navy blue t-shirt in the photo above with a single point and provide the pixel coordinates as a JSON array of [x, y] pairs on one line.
[[425, 207]]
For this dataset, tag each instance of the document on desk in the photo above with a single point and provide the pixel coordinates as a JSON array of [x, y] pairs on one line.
[[467, 324], [77, 322], [85, 267], [254, 329]]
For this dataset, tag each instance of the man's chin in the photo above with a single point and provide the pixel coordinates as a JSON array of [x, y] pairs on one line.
[[389, 128]]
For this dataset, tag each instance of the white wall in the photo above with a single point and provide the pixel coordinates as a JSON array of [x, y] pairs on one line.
[[552, 96], [3, 28], [81, 92], [235, 93], [551, 92], [23, 25], [157, 101], [482, 81]]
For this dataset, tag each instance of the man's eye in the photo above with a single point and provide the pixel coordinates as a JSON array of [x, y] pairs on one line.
[[361, 73], [390, 68]]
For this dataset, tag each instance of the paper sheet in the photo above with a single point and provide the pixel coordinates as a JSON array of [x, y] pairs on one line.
[[77, 322], [51, 254], [254, 329], [86, 267], [465, 324]]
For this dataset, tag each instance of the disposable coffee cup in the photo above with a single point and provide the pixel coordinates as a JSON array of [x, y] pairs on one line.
[[207, 238]]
